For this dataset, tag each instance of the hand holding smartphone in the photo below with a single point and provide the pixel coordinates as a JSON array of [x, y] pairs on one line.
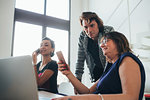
[[37, 51], [34, 56], [61, 58]]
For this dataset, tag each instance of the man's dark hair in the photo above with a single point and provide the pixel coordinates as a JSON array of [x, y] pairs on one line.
[[90, 16]]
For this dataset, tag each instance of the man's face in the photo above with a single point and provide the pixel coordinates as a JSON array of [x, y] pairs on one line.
[[91, 29]]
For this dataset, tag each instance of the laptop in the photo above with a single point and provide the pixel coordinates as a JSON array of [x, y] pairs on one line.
[[17, 79]]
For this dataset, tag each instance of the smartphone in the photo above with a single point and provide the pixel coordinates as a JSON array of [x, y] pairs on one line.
[[61, 58], [37, 51]]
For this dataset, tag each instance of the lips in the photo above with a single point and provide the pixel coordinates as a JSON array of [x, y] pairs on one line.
[[104, 49], [43, 50], [91, 34]]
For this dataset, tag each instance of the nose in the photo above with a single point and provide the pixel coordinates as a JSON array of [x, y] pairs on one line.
[[89, 29], [42, 47]]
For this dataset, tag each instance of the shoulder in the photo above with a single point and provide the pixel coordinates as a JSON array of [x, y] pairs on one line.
[[52, 65], [128, 55], [129, 66], [82, 37], [128, 62], [128, 58], [131, 56], [108, 29], [82, 34], [53, 62]]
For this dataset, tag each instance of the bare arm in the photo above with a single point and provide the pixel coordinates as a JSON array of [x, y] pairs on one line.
[[129, 72], [44, 77], [81, 88]]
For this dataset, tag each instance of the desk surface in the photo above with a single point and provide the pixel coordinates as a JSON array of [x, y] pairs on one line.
[[43, 95]]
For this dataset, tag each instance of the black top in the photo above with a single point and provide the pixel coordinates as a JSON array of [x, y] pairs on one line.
[[93, 48], [51, 84], [110, 82]]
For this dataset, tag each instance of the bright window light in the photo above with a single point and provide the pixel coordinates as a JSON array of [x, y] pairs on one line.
[[27, 38], [36, 6], [58, 8], [60, 37]]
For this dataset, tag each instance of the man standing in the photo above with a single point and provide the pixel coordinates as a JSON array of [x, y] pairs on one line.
[[88, 46]]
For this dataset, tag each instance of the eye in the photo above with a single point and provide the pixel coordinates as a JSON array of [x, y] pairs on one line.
[[85, 27], [46, 45], [92, 25]]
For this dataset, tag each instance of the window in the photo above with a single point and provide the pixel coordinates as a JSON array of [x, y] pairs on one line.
[[58, 8], [25, 34], [27, 38], [61, 42], [36, 6], [33, 21]]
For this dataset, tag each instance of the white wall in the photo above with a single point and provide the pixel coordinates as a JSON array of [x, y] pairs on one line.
[[78, 6], [132, 18], [75, 29], [6, 26]]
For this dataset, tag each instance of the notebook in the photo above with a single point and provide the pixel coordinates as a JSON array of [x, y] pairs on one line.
[[17, 79]]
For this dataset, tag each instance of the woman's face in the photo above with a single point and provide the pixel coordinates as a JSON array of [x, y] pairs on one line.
[[109, 48], [45, 48]]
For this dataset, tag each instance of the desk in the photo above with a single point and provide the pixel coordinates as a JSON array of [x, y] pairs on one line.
[[43, 95]]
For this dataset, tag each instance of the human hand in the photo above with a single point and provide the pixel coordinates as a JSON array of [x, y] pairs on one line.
[[75, 91], [79, 97], [64, 68], [34, 56], [64, 98]]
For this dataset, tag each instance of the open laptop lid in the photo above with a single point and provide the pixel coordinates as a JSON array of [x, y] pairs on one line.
[[17, 79]]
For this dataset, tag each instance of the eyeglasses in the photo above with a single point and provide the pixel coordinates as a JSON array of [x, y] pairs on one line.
[[104, 41]]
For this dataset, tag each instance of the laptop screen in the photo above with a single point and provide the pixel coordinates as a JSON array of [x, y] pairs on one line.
[[17, 79]]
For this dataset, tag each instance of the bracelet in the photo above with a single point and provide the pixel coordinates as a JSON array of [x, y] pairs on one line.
[[101, 96]]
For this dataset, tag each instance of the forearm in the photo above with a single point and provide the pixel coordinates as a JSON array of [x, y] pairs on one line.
[[80, 97], [81, 57], [34, 59], [81, 88], [80, 65], [119, 97], [36, 74], [98, 97]]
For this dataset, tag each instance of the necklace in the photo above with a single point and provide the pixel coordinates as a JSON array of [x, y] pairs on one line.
[[41, 67]]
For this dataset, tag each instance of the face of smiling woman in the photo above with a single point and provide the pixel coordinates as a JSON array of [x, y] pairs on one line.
[[45, 48]]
